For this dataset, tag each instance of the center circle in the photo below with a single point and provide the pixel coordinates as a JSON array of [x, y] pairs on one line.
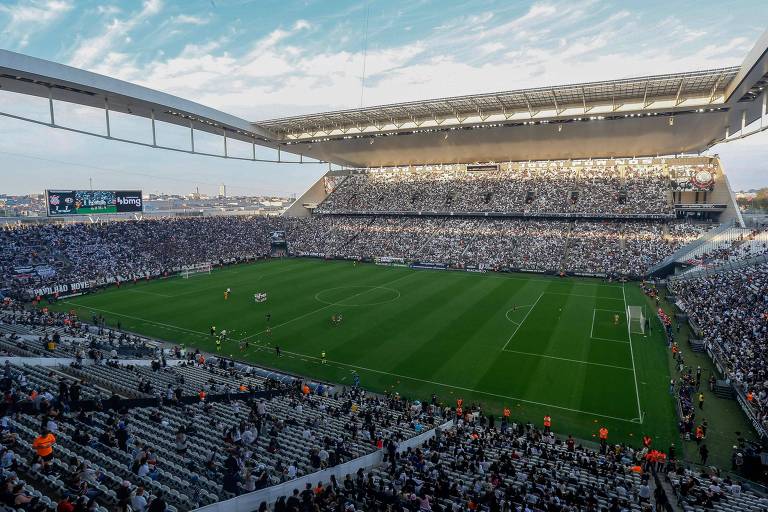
[[357, 295]]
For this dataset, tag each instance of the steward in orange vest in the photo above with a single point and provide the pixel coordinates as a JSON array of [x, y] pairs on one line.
[[603, 433], [547, 423]]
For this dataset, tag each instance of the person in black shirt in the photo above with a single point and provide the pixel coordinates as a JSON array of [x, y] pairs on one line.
[[157, 504], [293, 504], [74, 392], [6, 493]]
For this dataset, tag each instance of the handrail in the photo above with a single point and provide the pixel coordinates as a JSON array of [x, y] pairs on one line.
[[691, 246], [724, 267]]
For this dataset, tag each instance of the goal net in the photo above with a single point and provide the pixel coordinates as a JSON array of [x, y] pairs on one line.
[[203, 268], [636, 319]]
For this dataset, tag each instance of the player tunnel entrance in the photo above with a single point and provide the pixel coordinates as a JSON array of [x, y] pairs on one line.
[[278, 246]]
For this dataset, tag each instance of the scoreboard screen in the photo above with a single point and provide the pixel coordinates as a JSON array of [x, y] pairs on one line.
[[88, 202]]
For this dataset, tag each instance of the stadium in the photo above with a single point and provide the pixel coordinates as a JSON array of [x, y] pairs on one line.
[[519, 300]]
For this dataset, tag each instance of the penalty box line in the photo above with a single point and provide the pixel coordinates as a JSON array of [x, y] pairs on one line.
[[592, 329], [442, 384], [632, 355], [578, 361]]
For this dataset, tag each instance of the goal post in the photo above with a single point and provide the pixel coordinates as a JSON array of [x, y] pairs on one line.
[[636, 319], [202, 268]]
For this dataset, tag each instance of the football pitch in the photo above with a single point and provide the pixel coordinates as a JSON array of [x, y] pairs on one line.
[[537, 344]]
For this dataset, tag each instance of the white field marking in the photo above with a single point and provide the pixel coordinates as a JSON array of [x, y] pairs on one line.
[[516, 308], [150, 293], [593, 326], [167, 326], [581, 295], [592, 329], [632, 354], [609, 339], [218, 285], [513, 398], [522, 321], [579, 361], [387, 301], [325, 307]]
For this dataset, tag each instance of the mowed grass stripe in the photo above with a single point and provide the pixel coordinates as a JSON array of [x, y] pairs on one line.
[[446, 329], [307, 357]]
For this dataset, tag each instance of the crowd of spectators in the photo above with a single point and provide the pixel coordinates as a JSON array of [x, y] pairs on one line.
[[475, 465], [731, 310], [80, 432], [39, 255], [556, 187], [480, 464], [629, 247], [130, 250], [746, 244], [41, 332]]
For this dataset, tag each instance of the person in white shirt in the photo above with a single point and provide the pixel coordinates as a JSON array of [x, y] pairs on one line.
[[644, 493], [249, 481], [291, 472], [139, 501], [144, 470], [6, 461], [249, 436]]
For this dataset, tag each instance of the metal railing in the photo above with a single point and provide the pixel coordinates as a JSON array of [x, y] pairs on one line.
[[724, 267], [690, 247]]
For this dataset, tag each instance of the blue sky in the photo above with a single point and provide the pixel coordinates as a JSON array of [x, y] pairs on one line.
[[262, 59]]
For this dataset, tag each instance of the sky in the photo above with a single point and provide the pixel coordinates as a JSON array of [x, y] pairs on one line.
[[260, 59]]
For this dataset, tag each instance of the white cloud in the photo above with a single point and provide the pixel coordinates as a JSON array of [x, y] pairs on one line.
[[93, 49], [479, 19], [277, 76], [301, 25], [27, 18], [491, 47], [108, 10], [35, 11], [187, 19]]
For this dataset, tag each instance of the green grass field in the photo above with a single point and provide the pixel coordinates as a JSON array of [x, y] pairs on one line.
[[538, 344]]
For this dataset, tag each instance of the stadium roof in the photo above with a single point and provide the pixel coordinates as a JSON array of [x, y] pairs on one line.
[[645, 116], [698, 87], [57, 82]]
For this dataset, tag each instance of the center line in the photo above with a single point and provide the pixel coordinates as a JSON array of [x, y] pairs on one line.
[[324, 307]]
